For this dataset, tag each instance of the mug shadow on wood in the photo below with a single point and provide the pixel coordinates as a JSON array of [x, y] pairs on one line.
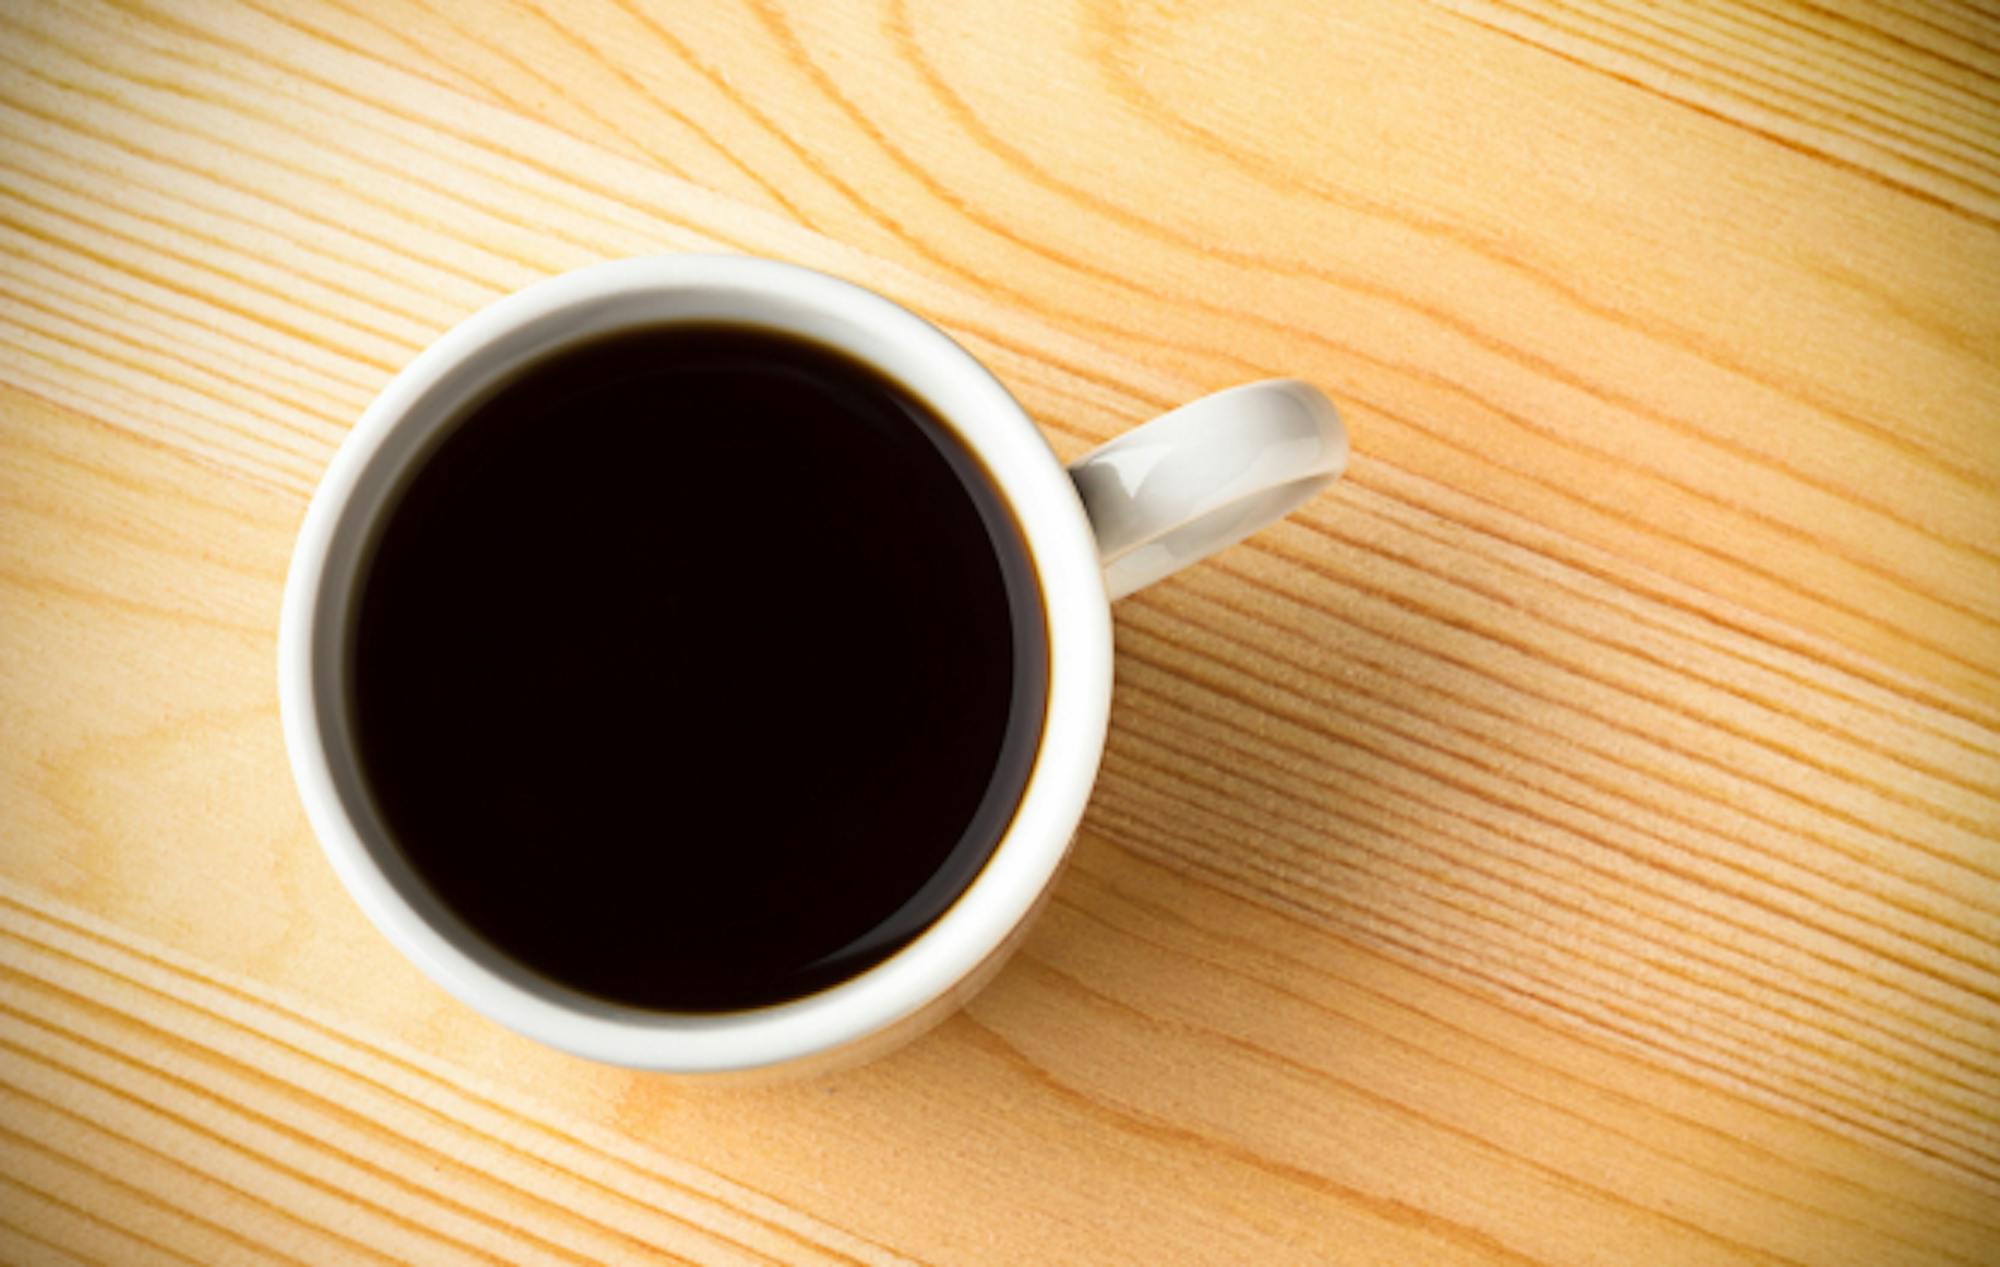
[[1267, 831]]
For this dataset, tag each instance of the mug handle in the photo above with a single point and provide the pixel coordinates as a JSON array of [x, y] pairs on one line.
[[1207, 475]]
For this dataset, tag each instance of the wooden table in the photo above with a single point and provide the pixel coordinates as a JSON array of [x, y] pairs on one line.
[[1571, 840]]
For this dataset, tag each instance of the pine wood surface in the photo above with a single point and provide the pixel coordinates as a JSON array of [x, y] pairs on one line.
[[1571, 840]]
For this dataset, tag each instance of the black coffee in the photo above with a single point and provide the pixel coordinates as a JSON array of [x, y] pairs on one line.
[[698, 668]]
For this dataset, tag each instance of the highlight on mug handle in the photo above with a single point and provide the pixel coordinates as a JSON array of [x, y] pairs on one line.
[[1207, 475]]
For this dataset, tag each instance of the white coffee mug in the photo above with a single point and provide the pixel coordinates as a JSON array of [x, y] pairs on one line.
[[1151, 501]]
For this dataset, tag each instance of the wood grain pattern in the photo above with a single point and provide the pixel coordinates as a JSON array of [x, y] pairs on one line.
[[1576, 839]]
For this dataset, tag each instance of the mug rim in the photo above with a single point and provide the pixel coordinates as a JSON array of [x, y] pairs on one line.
[[980, 920]]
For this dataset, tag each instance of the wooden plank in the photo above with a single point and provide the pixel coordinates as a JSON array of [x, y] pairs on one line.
[[1575, 839]]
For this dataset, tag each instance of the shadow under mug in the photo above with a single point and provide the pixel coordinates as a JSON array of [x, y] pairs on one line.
[[1149, 502]]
